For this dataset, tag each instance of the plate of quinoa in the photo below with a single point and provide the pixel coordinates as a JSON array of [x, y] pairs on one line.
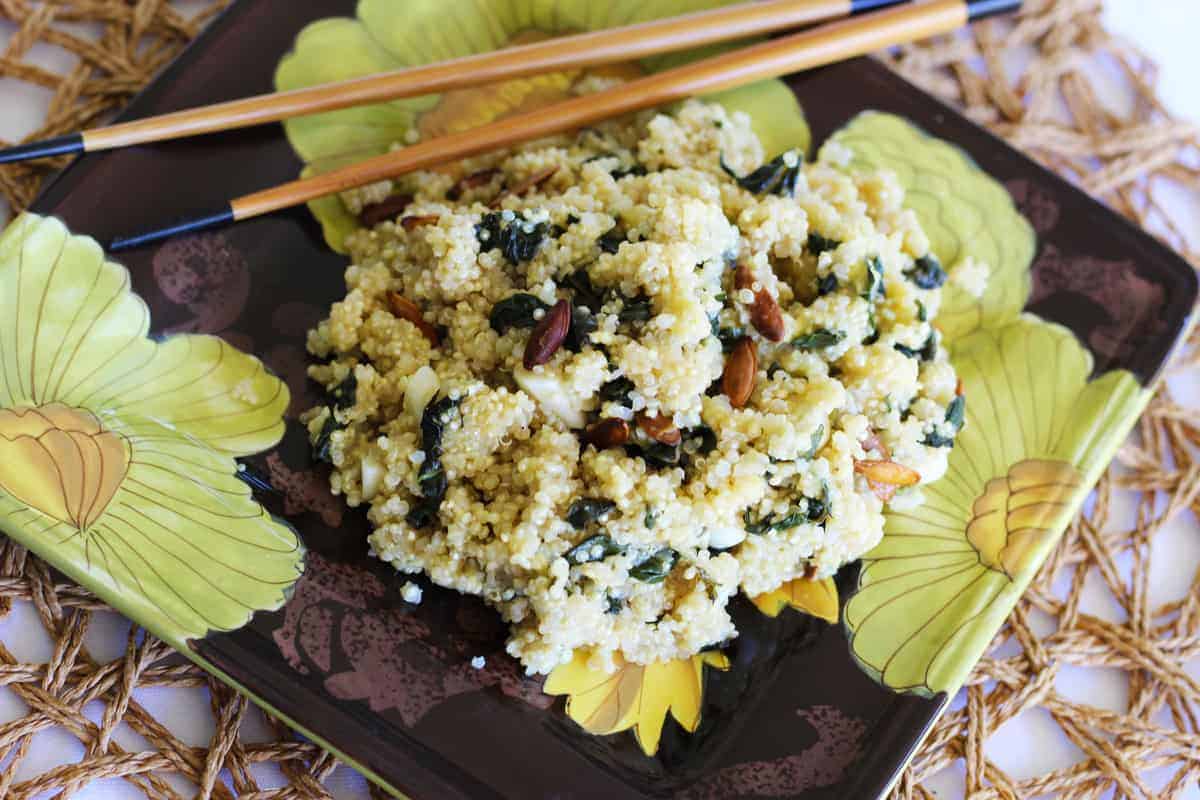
[[659, 369], [699, 454]]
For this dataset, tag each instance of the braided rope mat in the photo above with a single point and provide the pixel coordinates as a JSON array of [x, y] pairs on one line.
[[1051, 110]]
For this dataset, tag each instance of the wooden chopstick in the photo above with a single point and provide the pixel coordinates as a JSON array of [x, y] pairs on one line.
[[848, 38], [590, 49]]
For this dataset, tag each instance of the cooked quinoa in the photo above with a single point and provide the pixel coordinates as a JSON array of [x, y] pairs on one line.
[[616, 497]]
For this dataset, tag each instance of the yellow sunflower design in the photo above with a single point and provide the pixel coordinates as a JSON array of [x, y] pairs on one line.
[[636, 696], [378, 39], [818, 598], [1040, 428], [117, 451], [934, 591]]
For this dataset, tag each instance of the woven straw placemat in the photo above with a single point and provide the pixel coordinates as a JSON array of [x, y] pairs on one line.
[[1052, 110]]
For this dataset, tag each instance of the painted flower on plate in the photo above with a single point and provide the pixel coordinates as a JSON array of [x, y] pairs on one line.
[[944, 577], [636, 696], [818, 598], [117, 451]]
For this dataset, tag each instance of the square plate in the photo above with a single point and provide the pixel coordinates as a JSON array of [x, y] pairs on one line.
[[388, 685]]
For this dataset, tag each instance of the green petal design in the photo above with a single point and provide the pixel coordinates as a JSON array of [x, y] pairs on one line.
[[117, 451], [379, 39], [965, 212], [338, 49], [944, 577], [73, 332], [185, 530], [1094, 429]]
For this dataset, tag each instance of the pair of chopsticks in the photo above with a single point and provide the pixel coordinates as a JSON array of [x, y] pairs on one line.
[[863, 26]]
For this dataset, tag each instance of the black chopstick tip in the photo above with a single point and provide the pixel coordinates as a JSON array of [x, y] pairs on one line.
[[978, 9], [58, 146], [865, 6], [187, 226]]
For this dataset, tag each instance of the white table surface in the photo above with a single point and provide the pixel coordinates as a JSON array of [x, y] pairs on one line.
[[1028, 745]]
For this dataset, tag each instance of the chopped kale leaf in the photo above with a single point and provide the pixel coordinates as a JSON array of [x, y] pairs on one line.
[[927, 272], [593, 548], [637, 309], [656, 568], [820, 339], [818, 244], [517, 238], [516, 312], [583, 325], [586, 294], [321, 445], [611, 242], [956, 412], [927, 352], [432, 477], [729, 337], [588, 509], [617, 391], [778, 176], [700, 440]]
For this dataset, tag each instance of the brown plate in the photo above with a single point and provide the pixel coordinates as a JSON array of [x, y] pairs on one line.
[[388, 685]]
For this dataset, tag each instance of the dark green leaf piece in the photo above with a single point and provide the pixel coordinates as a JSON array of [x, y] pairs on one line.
[[617, 391], [819, 339], [928, 351], [321, 445], [593, 548], [432, 477], [927, 273], [873, 336], [586, 294], [661, 455], [769, 523], [614, 604], [819, 508], [517, 239], [611, 241], [956, 412], [656, 568], [637, 309], [778, 176], [729, 337], [700, 440], [588, 509], [817, 437], [516, 312], [956, 415], [583, 325], [818, 244], [935, 439]]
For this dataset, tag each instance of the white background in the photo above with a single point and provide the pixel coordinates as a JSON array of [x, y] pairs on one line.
[[1027, 746]]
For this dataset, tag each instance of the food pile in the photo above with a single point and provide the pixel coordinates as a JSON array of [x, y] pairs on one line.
[[607, 381]]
